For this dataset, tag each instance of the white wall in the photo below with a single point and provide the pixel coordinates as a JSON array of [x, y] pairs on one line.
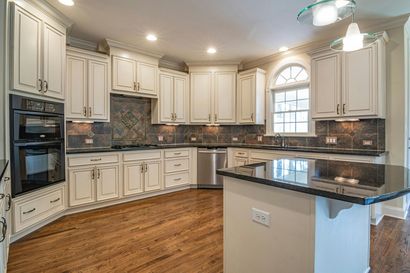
[[3, 5]]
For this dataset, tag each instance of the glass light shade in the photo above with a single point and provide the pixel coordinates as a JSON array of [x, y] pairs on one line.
[[354, 40], [326, 12]]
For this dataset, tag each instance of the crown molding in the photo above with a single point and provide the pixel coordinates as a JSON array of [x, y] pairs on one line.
[[212, 63], [105, 45], [54, 13], [80, 43], [173, 65]]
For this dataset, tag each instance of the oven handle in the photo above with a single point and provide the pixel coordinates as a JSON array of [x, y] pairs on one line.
[[25, 144]]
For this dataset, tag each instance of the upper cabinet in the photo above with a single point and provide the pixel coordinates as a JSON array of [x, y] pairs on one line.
[[38, 52], [134, 72], [213, 94], [251, 97], [87, 95], [349, 84], [172, 104]]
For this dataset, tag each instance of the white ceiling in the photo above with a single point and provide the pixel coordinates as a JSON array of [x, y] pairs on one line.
[[241, 30]]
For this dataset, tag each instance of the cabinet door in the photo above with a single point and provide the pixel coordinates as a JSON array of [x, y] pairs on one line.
[[246, 98], [152, 177], [53, 61], [359, 82], [107, 183], [180, 99], [325, 84], [81, 186], [166, 85], [26, 51], [201, 88], [124, 74], [147, 79], [225, 97], [98, 90], [238, 161], [76, 88], [133, 178]]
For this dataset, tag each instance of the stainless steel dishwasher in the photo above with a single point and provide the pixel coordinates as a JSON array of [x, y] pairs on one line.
[[209, 160]]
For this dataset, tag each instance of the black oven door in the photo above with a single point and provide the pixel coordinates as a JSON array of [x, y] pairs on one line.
[[31, 126], [37, 165]]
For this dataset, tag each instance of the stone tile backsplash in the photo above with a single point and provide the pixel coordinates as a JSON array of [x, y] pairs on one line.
[[130, 123]]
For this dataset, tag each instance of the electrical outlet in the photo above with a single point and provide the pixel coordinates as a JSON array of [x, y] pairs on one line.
[[160, 138], [234, 139], [260, 138], [261, 217], [193, 138], [331, 140], [89, 141], [367, 142]]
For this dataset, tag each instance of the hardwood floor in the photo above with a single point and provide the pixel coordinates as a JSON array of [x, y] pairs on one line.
[[180, 232]]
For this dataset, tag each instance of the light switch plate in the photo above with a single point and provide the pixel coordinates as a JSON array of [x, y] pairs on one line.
[[367, 142], [261, 217], [193, 138], [260, 138], [331, 140], [89, 141], [234, 139], [160, 138]]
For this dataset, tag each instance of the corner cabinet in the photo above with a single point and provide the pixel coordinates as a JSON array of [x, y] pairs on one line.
[[134, 78], [251, 97], [87, 88], [172, 104], [213, 95], [349, 84], [38, 52]]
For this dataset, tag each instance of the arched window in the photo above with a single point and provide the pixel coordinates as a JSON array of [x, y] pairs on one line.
[[291, 101]]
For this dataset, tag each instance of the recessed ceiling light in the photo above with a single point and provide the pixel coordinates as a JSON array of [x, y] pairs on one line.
[[67, 2], [283, 48], [151, 37], [211, 50]]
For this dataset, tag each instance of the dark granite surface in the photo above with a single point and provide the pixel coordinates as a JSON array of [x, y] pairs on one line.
[[359, 183], [3, 166], [251, 146]]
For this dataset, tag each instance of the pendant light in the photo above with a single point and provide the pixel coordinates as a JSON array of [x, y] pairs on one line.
[[354, 39], [326, 12]]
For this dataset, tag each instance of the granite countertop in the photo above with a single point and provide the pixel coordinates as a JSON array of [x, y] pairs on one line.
[[359, 183], [3, 166], [234, 145]]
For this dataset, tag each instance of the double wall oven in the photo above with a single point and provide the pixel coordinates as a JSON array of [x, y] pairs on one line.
[[37, 143]]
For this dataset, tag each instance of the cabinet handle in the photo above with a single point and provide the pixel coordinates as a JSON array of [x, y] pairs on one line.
[[46, 86], [89, 111], [209, 117], [95, 159], [175, 116], [343, 190], [40, 89], [142, 168], [6, 178], [92, 175], [177, 179], [252, 116], [98, 173], [177, 165], [135, 86], [216, 117], [138, 86], [55, 200], [85, 111], [3, 229], [337, 109], [146, 167], [8, 196], [344, 105], [337, 190], [29, 211], [177, 153]]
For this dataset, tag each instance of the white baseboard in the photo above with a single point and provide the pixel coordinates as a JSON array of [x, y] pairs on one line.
[[367, 270], [395, 212], [375, 221]]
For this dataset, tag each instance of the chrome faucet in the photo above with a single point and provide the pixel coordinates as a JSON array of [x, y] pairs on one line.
[[282, 140]]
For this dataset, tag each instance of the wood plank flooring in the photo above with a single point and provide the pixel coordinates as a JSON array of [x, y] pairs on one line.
[[179, 232]]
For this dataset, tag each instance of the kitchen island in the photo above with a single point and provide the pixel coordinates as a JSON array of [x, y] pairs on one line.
[[300, 215]]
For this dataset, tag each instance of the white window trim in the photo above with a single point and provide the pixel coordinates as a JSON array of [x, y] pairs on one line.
[[270, 106]]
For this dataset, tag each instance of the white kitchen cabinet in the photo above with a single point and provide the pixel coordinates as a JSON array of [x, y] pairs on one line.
[[239, 161], [133, 178], [81, 186], [87, 86], [107, 182], [38, 52], [201, 97], [5, 221], [171, 107], [134, 77], [213, 94], [224, 97], [152, 176], [349, 84], [251, 97]]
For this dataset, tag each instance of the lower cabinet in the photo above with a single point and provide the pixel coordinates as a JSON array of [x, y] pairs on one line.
[[141, 176], [94, 183], [239, 161], [5, 222], [152, 176]]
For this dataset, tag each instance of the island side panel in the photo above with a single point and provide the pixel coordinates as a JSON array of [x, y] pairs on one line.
[[286, 246], [342, 244]]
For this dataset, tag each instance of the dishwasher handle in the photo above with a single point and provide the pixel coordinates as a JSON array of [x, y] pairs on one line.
[[212, 152]]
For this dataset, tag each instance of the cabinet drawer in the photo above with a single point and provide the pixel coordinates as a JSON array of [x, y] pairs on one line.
[[38, 208], [241, 153], [142, 156], [178, 179], [177, 153], [176, 165], [93, 160]]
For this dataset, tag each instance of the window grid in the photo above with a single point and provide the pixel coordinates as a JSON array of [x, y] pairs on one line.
[[290, 170]]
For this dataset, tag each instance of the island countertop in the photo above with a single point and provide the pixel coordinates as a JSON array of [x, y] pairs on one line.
[[359, 183]]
